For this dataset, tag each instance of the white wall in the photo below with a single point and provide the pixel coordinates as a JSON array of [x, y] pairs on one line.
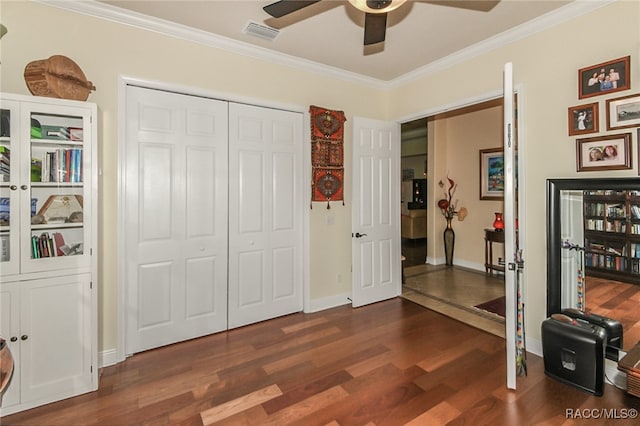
[[545, 66], [106, 50], [462, 135], [545, 69]]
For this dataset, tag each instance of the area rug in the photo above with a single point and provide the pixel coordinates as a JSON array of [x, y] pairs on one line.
[[496, 306]]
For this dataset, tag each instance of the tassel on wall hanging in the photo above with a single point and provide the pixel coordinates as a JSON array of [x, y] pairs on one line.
[[327, 155]]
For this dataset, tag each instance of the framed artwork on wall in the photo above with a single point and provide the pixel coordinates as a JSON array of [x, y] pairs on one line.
[[583, 119], [492, 174], [608, 152], [623, 112], [607, 77]]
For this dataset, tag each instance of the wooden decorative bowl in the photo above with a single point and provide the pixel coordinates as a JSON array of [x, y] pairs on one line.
[[57, 77]]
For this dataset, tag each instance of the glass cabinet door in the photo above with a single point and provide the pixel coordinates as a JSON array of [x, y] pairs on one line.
[[9, 188], [56, 169]]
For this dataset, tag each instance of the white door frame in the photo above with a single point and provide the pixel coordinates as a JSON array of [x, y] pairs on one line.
[[118, 355]]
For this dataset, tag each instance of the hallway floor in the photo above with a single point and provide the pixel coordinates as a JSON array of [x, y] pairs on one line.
[[454, 292]]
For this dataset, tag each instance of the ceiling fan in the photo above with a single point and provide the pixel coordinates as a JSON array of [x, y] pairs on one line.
[[375, 23]]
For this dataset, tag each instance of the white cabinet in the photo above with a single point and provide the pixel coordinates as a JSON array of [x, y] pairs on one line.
[[48, 294], [47, 325]]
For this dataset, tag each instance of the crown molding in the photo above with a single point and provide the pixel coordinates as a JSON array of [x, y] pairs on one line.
[[160, 26], [539, 24]]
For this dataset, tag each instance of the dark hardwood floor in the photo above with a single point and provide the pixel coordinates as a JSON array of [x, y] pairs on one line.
[[618, 300], [390, 363]]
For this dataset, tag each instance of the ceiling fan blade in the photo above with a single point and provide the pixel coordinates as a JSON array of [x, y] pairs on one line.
[[375, 28], [285, 7]]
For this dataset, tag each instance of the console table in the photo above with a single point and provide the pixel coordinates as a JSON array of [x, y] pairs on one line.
[[491, 236]]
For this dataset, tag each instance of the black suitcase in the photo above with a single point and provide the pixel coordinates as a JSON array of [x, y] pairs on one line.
[[611, 326], [573, 352]]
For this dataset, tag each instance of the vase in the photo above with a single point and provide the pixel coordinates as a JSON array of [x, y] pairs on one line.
[[498, 224], [449, 243]]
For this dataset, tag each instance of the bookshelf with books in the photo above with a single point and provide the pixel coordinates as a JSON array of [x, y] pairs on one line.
[[48, 247], [612, 234]]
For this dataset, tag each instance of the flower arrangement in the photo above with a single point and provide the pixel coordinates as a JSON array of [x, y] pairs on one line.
[[447, 206]]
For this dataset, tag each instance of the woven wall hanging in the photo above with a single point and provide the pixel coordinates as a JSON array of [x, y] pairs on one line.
[[327, 155]]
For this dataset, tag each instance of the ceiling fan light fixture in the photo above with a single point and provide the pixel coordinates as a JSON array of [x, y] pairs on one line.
[[376, 6]]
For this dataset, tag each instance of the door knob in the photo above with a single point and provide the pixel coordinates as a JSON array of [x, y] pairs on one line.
[[359, 235], [13, 187], [23, 187]]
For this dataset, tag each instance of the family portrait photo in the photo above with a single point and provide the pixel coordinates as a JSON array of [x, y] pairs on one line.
[[609, 152], [607, 77]]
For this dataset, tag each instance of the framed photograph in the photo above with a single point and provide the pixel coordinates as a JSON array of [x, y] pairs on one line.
[[62, 209], [492, 174], [608, 152], [623, 112], [607, 77], [583, 119]]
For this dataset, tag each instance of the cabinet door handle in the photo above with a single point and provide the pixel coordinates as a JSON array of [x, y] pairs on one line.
[[24, 337], [24, 187], [14, 339], [13, 187]]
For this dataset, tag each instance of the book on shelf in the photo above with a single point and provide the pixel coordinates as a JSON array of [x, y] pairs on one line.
[[616, 225], [62, 165], [595, 224], [615, 250], [42, 246], [36, 170], [616, 210], [45, 245], [594, 209], [58, 242], [5, 163]]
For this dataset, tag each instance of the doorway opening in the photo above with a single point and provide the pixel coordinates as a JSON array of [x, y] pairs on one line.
[[413, 192], [451, 142]]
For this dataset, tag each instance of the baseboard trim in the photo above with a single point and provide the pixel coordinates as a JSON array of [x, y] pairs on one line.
[[463, 263], [329, 302], [107, 358], [534, 346]]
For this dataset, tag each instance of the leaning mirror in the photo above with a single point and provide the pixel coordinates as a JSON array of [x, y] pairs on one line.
[[593, 249]]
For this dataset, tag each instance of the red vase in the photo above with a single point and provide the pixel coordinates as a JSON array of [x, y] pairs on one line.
[[498, 224]]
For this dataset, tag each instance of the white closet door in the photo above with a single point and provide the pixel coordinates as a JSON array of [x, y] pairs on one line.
[[176, 217], [265, 220]]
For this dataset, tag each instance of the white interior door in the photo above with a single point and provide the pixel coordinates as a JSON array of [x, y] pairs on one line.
[[176, 217], [376, 257], [265, 226], [510, 236]]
